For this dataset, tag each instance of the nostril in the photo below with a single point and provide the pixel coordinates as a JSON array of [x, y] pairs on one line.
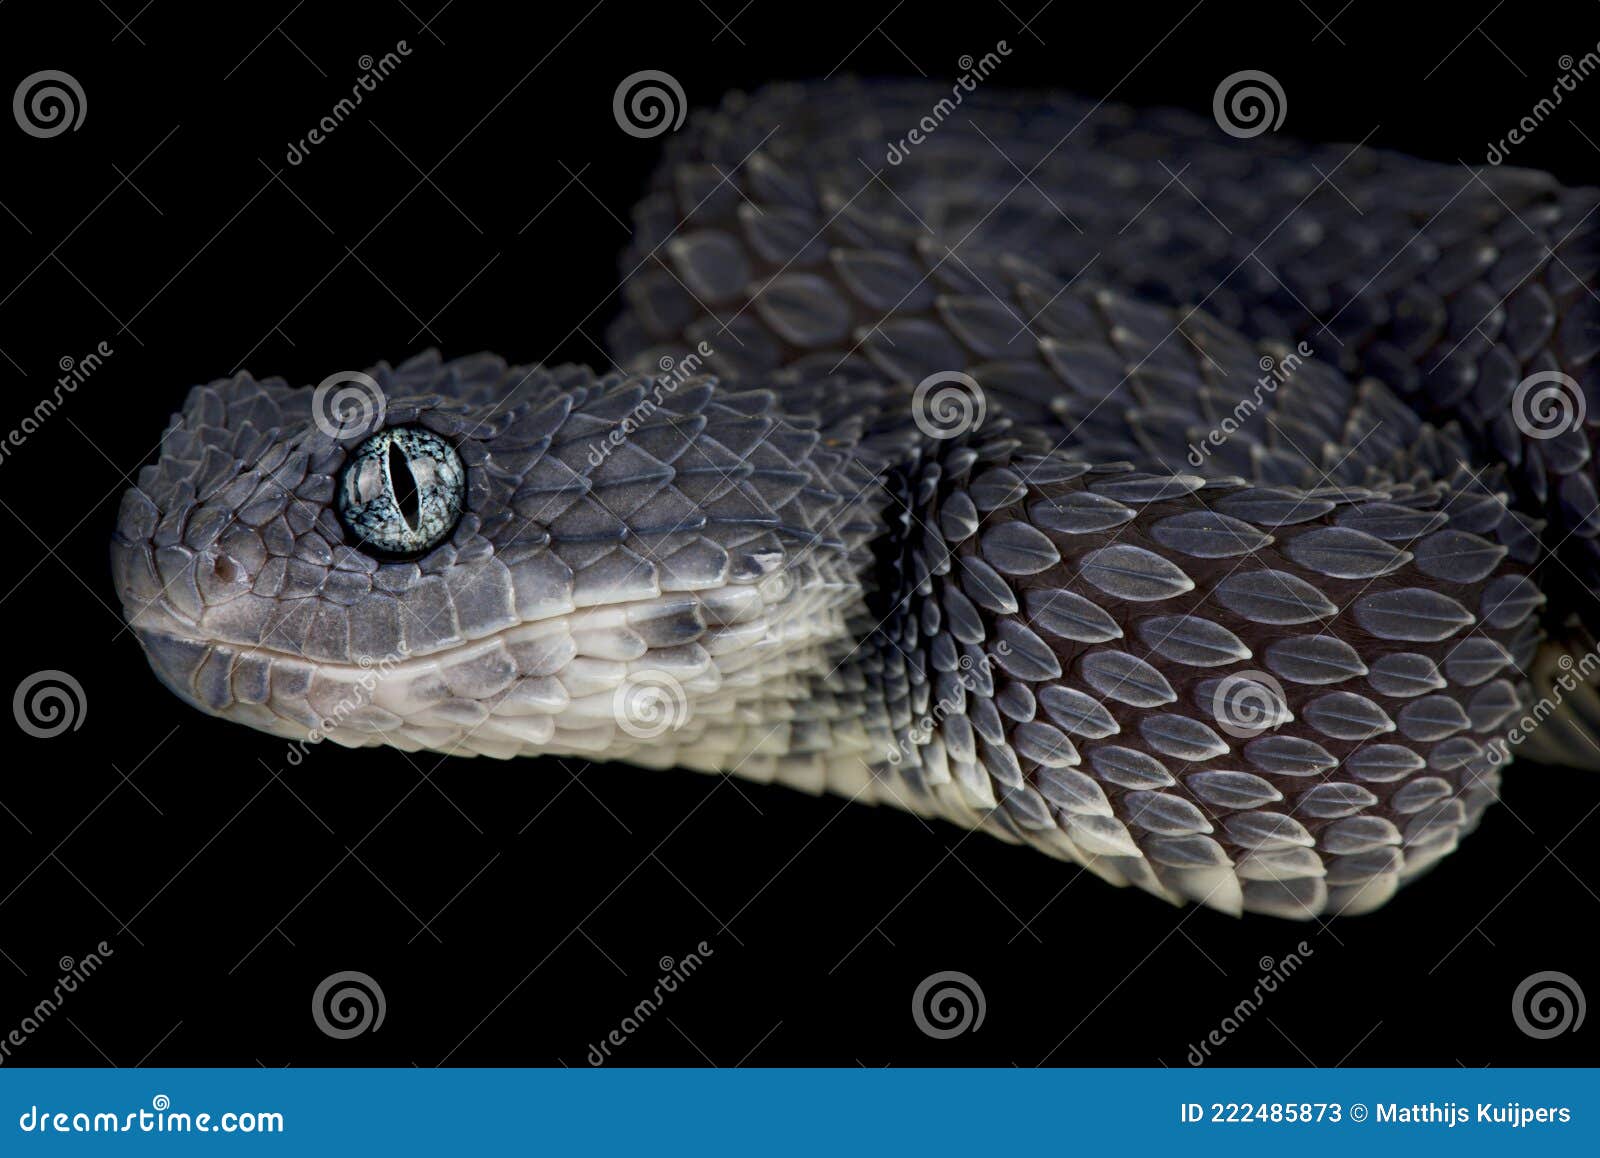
[[224, 569]]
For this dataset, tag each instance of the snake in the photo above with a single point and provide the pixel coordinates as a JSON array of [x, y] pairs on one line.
[[1210, 509]]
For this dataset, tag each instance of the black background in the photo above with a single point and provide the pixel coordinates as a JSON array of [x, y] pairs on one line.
[[516, 912]]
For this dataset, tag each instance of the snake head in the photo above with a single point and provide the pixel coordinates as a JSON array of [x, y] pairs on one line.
[[485, 559]]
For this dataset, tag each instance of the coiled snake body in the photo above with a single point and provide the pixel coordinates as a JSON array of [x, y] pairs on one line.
[[1156, 499]]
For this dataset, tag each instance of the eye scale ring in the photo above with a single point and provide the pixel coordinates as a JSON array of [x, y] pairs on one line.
[[401, 492]]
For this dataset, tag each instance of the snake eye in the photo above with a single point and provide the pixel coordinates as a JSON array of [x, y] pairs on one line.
[[401, 491]]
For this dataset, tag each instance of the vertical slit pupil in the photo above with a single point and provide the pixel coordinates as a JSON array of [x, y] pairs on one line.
[[405, 486]]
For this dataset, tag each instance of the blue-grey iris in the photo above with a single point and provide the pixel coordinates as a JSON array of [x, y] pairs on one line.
[[401, 491]]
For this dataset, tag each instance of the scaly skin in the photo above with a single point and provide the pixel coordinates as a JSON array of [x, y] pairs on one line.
[[1040, 624]]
